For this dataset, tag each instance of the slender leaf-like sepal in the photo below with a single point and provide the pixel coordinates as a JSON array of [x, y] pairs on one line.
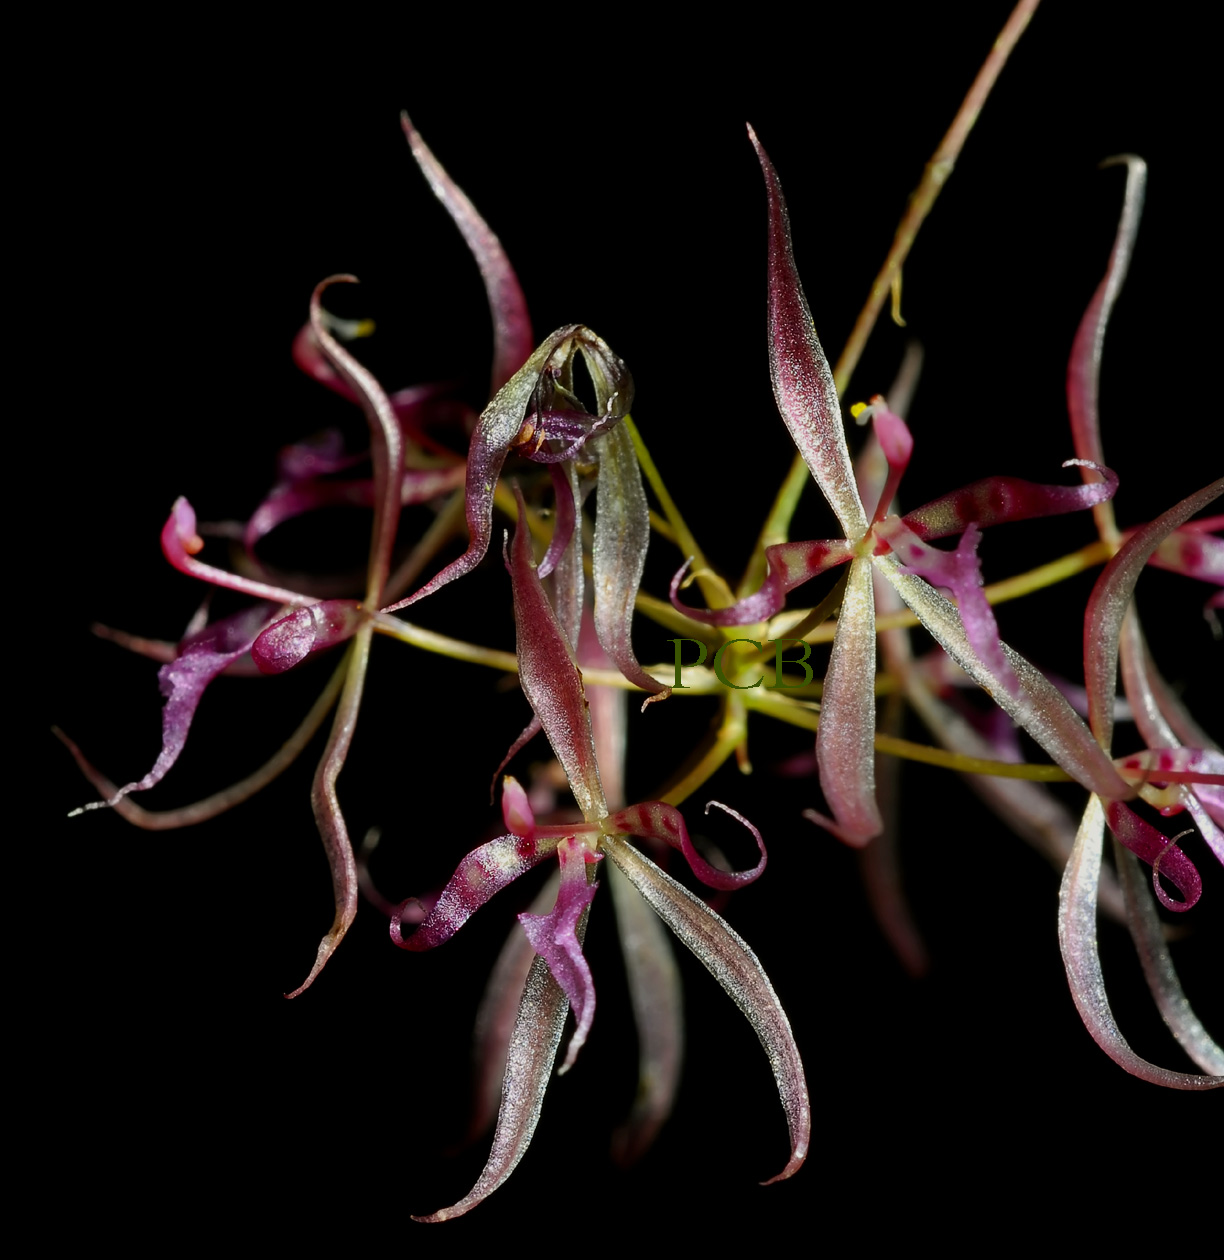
[[622, 533], [551, 681], [1077, 939], [729, 960], [1084, 366], [845, 741], [511, 324], [529, 1062], [1038, 706], [802, 382]]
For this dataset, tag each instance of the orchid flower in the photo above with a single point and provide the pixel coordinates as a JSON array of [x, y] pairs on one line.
[[560, 978], [1112, 633], [288, 625], [898, 548]]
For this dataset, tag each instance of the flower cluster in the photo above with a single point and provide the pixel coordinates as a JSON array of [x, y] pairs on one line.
[[552, 480]]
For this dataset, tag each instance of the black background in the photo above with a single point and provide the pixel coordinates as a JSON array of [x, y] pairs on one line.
[[197, 204]]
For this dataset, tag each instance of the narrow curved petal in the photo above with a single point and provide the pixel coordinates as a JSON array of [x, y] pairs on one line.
[[202, 810], [417, 485], [659, 821], [998, 500], [484, 872], [622, 534], [181, 544], [802, 382], [182, 681], [529, 1061], [729, 960], [1148, 934], [1077, 938], [845, 741], [511, 324], [386, 441]]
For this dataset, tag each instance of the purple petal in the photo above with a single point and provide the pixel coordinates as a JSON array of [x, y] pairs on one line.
[[960, 572], [202, 810], [998, 500], [201, 658], [180, 545], [729, 960], [512, 338], [485, 871], [802, 383], [1077, 938], [555, 938], [659, 821]]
